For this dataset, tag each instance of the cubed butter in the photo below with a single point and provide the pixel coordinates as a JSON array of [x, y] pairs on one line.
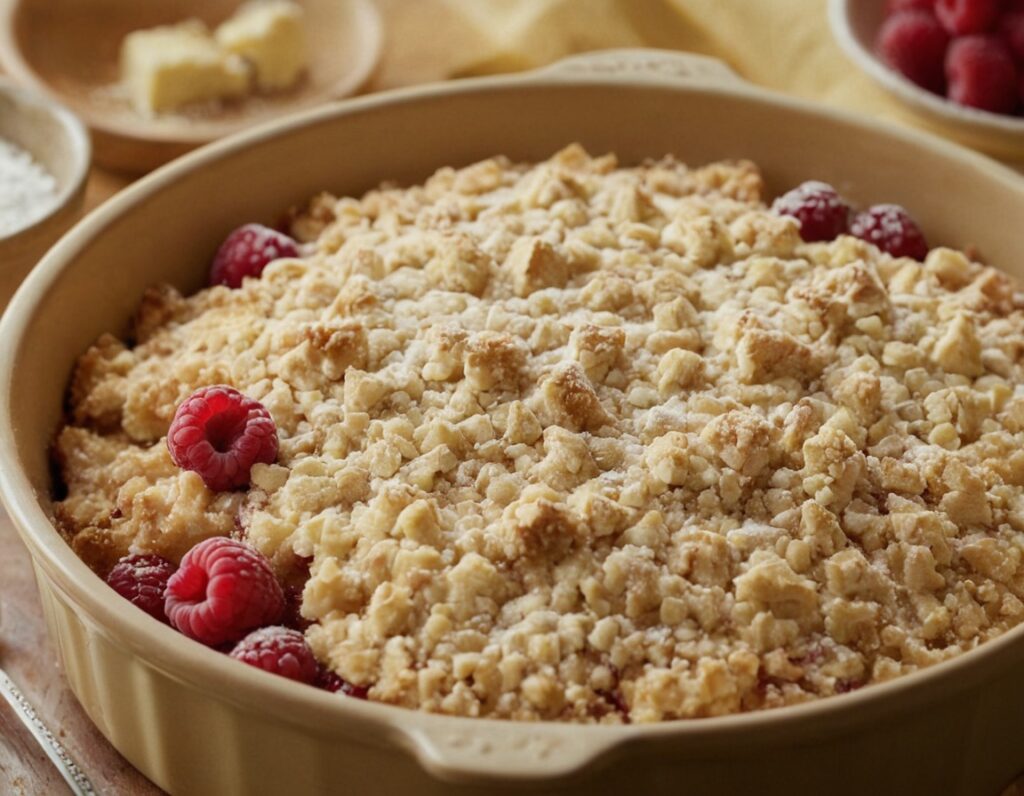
[[168, 67], [270, 35]]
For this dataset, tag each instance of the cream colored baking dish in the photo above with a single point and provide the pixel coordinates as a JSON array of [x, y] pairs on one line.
[[198, 723]]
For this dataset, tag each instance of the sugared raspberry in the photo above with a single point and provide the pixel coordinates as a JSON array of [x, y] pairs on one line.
[[279, 650], [223, 589], [822, 213], [142, 580], [329, 681], [982, 74], [894, 6], [246, 252], [963, 17], [1011, 31], [892, 230], [220, 434], [914, 44]]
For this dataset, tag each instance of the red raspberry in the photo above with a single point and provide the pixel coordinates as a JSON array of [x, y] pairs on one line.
[[891, 229], [329, 681], [223, 589], [895, 6], [981, 74], [246, 252], [963, 17], [220, 434], [914, 44], [142, 580], [1011, 30], [822, 213], [279, 650]]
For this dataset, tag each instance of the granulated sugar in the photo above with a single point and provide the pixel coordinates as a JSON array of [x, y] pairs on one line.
[[27, 190]]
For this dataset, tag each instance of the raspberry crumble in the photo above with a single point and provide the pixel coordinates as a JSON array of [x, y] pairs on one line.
[[580, 442]]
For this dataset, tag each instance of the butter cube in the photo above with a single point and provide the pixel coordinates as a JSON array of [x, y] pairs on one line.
[[270, 35], [167, 67]]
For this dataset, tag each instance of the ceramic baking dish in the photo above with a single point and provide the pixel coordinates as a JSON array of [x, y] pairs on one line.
[[196, 722]]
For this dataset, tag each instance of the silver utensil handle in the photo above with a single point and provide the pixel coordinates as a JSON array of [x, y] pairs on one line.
[[77, 781]]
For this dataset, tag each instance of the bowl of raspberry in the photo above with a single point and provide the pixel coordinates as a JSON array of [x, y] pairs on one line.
[[957, 64]]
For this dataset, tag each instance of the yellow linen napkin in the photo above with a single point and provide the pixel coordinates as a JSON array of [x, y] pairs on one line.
[[785, 45]]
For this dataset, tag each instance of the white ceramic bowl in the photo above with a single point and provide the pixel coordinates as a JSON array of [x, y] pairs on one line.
[[855, 25], [57, 140]]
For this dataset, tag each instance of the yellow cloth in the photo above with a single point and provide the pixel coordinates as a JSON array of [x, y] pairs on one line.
[[785, 45]]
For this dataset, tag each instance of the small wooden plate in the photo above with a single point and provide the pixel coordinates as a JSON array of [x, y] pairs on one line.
[[69, 49]]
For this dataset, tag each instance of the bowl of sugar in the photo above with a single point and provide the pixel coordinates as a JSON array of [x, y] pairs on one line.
[[44, 162]]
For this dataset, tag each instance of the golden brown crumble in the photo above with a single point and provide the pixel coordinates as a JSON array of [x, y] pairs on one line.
[[568, 440]]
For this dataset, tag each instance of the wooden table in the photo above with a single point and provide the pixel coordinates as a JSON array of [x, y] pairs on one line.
[[25, 650]]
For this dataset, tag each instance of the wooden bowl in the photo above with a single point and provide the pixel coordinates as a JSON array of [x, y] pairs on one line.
[[58, 142], [70, 50], [855, 25]]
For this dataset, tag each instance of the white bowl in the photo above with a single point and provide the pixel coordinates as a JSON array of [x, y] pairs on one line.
[[58, 141], [855, 24]]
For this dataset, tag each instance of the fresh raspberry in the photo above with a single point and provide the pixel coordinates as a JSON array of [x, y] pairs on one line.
[[914, 44], [963, 17], [246, 252], [220, 434], [822, 213], [895, 6], [981, 74], [891, 229], [142, 581], [279, 650], [329, 681], [1011, 31], [223, 589]]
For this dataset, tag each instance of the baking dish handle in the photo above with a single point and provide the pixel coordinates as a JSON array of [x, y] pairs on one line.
[[499, 751], [628, 64]]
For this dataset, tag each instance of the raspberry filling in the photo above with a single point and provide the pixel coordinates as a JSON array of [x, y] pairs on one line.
[[220, 434]]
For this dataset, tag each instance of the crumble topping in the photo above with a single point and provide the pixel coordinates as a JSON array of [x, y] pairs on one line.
[[579, 442]]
